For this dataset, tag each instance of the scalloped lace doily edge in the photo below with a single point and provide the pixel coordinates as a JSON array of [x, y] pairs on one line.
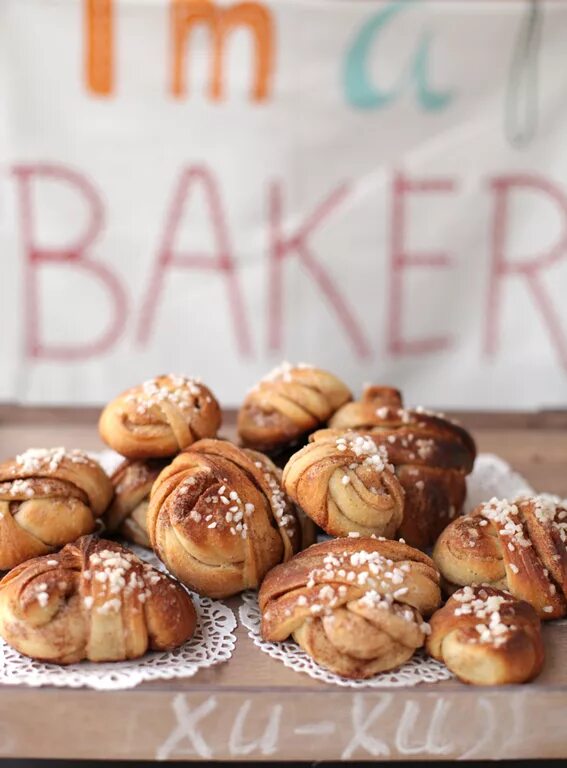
[[215, 644], [419, 669]]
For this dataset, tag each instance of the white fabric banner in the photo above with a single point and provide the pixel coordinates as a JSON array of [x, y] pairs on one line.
[[209, 187]]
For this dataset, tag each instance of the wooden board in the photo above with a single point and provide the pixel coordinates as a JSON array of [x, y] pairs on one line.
[[253, 708]]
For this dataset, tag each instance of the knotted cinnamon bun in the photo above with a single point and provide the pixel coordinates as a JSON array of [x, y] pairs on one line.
[[160, 417], [219, 520], [487, 637], [48, 497], [520, 546], [132, 482], [346, 484], [355, 605], [431, 456], [92, 600], [287, 404]]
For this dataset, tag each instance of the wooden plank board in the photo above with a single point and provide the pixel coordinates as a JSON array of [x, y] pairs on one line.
[[254, 708]]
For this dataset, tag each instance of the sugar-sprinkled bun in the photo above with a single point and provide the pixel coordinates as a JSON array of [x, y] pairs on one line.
[[219, 520], [520, 546], [345, 484], [487, 637], [355, 605], [288, 403], [431, 455], [92, 600], [48, 498], [132, 482], [160, 417]]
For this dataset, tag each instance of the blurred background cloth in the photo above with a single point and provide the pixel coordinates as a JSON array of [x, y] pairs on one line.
[[207, 188]]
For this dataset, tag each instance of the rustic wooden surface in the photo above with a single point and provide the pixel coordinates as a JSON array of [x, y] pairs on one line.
[[253, 708]]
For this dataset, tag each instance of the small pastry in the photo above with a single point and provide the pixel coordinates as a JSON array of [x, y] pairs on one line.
[[487, 637], [431, 456], [92, 600], [132, 482], [288, 403], [355, 605], [520, 546], [219, 520], [160, 417], [345, 484], [48, 497]]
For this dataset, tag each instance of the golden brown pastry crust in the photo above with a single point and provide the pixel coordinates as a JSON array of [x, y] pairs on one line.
[[431, 456], [160, 417], [132, 482], [345, 484], [356, 605], [219, 520], [92, 600], [520, 546], [48, 498], [287, 404], [487, 637]]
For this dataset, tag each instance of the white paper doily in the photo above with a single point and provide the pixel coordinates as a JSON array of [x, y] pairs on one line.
[[490, 477], [108, 459], [212, 643]]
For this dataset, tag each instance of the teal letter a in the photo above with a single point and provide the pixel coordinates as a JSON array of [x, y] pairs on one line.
[[362, 94]]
